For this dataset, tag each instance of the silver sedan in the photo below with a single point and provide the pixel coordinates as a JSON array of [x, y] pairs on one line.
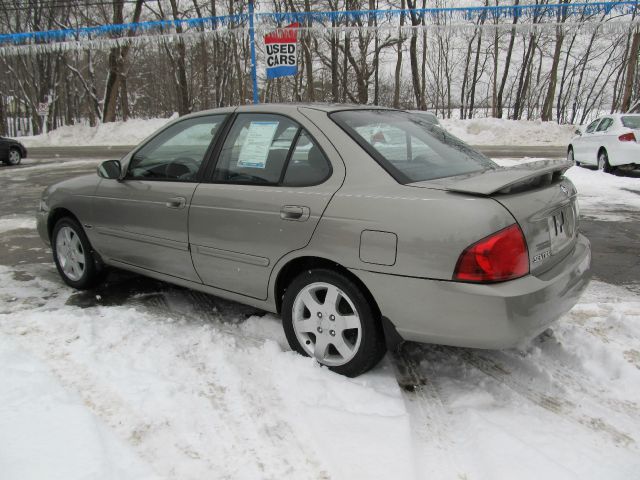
[[360, 226]]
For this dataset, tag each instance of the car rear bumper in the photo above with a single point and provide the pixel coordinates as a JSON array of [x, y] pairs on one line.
[[481, 316], [624, 153]]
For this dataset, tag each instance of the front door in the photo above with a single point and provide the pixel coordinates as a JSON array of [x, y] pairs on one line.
[[4, 150], [271, 184], [583, 146], [142, 220]]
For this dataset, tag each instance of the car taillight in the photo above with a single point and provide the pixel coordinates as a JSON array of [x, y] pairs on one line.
[[496, 258], [627, 137]]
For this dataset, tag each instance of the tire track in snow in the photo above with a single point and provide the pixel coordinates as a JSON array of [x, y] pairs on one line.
[[283, 441], [562, 407], [424, 401], [243, 404], [142, 433]]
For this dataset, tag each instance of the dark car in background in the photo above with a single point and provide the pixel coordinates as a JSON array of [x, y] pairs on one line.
[[11, 151]]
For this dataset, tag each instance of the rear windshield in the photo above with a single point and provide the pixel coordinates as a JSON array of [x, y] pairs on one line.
[[409, 147], [631, 121]]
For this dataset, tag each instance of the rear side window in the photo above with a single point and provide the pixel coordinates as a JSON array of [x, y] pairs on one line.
[[631, 121], [307, 165], [266, 149], [410, 148]]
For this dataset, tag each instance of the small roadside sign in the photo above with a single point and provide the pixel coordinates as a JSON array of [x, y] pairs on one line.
[[43, 109]]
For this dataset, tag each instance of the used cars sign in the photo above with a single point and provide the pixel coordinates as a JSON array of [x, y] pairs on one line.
[[281, 46]]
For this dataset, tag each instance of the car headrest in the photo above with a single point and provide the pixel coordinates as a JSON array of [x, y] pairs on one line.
[[316, 159]]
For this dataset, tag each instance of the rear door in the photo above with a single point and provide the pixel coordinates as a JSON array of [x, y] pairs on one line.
[[142, 220], [273, 179]]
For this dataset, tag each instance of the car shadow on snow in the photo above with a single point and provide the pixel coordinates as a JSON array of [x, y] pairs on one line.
[[122, 288]]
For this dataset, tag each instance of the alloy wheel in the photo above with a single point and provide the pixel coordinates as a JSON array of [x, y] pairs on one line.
[[327, 324], [71, 255], [14, 157]]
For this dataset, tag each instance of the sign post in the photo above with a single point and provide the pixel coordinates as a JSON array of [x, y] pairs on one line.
[[252, 42], [43, 111]]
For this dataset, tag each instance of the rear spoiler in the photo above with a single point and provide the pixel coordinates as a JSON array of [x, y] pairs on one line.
[[503, 180]]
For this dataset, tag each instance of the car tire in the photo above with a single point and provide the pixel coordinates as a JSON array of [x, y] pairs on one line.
[[14, 158], [345, 335], [74, 256], [571, 158], [603, 162]]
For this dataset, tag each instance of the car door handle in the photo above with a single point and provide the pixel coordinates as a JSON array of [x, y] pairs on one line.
[[176, 202], [294, 212]]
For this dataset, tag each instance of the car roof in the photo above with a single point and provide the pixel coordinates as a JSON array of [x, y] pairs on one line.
[[325, 107], [618, 115], [294, 106]]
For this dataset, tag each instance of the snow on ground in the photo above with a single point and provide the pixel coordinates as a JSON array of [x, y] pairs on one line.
[[163, 390], [168, 383], [16, 222], [130, 132], [30, 166], [500, 131], [480, 131], [190, 397]]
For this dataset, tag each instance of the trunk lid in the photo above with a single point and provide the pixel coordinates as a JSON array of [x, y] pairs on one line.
[[538, 196]]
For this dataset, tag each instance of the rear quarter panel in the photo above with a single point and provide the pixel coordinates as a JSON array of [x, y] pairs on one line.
[[432, 226]]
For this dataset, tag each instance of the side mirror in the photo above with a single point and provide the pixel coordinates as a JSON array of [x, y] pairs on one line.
[[110, 169], [578, 132]]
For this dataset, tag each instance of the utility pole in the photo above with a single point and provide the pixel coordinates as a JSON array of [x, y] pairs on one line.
[[252, 42]]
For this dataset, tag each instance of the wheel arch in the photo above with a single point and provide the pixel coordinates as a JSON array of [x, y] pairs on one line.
[[55, 215], [295, 266]]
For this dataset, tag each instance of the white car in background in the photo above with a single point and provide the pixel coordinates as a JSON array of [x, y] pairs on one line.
[[608, 142]]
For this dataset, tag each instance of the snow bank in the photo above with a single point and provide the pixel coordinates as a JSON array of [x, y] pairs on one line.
[[130, 132], [499, 131], [479, 131], [191, 398]]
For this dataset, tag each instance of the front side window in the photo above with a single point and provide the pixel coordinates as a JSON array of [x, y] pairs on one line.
[[267, 149], [604, 125], [410, 148], [592, 126], [176, 153]]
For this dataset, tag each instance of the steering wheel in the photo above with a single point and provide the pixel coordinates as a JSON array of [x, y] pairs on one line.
[[189, 168]]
